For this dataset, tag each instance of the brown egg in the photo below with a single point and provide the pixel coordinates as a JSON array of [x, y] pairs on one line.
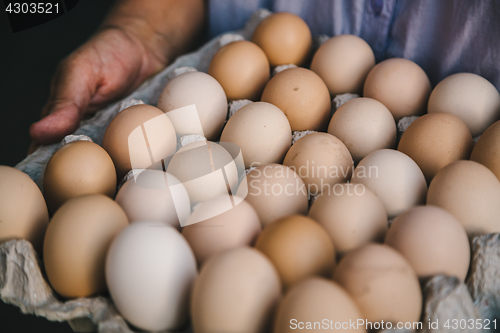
[[228, 229], [321, 160], [262, 132], [285, 38], [317, 304], [298, 247], [382, 283], [138, 137], [23, 212], [487, 149], [343, 62], [275, 191], [205, 93], [468, 96], [471, 193], [242, 69], [78, 168], [363, 125], [394, 177], [352, 215], [432, 241], [435, 140], [401, 85], [76, 243], [236, 291], [302, 96]]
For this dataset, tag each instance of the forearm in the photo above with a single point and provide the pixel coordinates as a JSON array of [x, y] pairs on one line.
[[167, 28]]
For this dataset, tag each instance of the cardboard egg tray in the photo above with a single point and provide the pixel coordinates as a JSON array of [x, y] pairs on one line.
[[22, 282]]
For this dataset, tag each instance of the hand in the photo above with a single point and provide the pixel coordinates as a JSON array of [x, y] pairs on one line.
[[110, 65]]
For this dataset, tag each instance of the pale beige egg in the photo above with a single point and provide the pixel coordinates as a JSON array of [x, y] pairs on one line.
[[432, 241], [236, 291], [138, 137], [262, 132], [154, 195], [343, 62], [352, 215], [394, 177], [316, 305], [205, 93], [230, 227], [363, 125], [23, 212], [382, 283], [468, 96], [321, 160], [401, 85], [275, 191], [471, 192]]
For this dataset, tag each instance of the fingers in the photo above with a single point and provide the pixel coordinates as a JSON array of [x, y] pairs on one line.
[[72, 88], [56, 125]]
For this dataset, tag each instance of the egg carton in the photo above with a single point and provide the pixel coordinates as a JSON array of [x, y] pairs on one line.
[[22, 282]]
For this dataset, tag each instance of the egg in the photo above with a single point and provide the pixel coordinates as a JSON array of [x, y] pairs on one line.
[[298, 247], [78, 168], [432, 241], [138, 137], [401, 85], [236, 291], [321, 160], [23, 212], [275, 191], [352, 215], [203, 167], [468, 96], [76, 243], [343, 62], [435, 140], [382, 283], [318, 304], [150, 270], [302, 95], [154, 195], [205, 93], [363, 125], [242, 69], [262, 132], [487, 149], [231, 228], [285, 38], [394, 177], [470, 192]]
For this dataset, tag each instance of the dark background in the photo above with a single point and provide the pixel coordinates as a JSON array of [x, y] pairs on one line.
[[27, 60]]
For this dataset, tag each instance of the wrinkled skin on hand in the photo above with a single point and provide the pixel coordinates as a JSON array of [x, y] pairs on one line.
[[110, 65]]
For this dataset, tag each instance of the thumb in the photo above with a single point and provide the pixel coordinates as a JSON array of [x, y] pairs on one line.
[[71, 91]]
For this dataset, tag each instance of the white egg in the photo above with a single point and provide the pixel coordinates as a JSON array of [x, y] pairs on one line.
[[150, 269]]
